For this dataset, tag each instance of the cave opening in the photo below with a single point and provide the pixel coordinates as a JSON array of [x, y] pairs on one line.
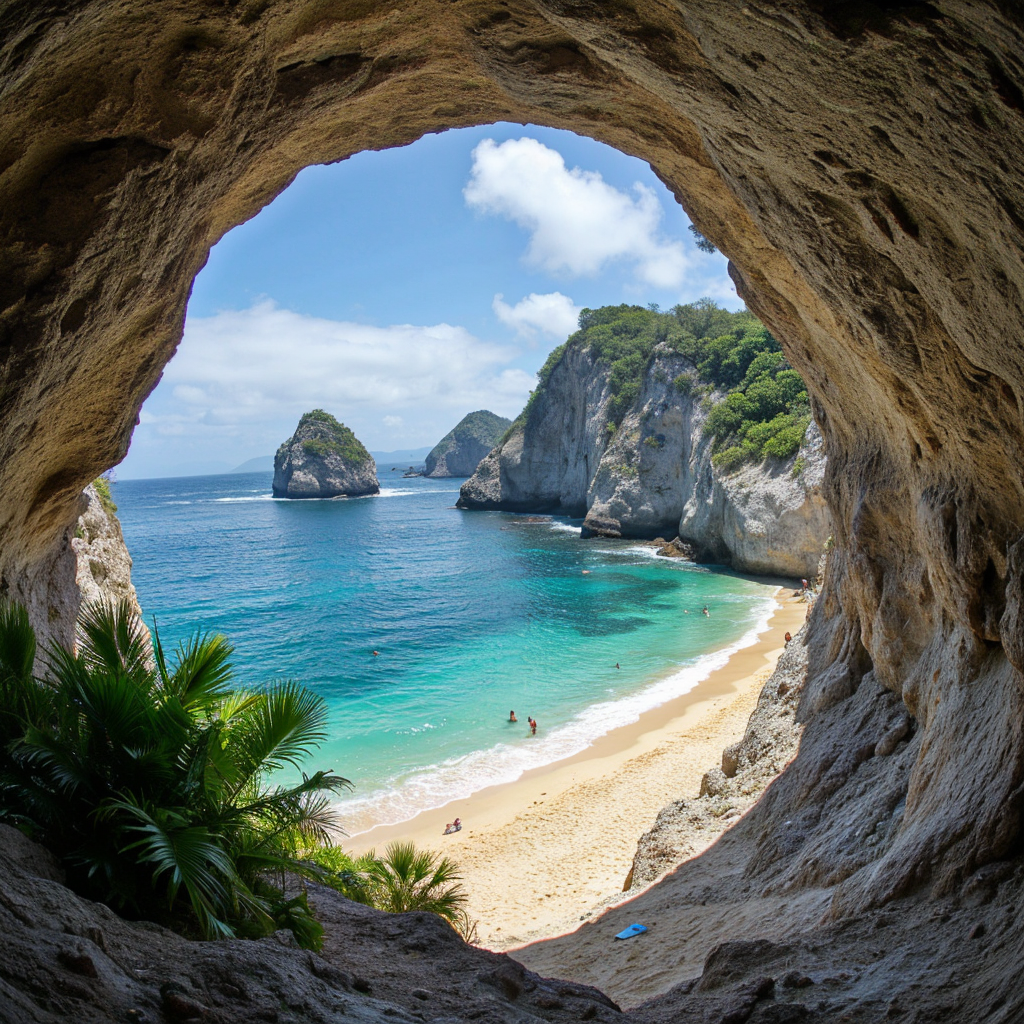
[[390, 606]]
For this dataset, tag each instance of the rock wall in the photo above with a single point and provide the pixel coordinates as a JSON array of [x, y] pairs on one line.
[[653, 475], [68, 959], [854, 161], [104, 567], [461, 450]]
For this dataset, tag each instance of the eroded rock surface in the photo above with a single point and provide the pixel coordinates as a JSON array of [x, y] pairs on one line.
[[66, 958], [459, 452], [104, 566], [855, 162], [653, 475]]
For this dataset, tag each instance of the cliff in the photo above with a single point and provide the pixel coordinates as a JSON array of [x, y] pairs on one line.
[[459, 452], [104, 567], [651, 469], [323, 459]]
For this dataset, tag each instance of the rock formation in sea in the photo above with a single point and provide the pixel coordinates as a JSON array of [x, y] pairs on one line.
[[648, 469], [459, 452], [854, 161], [104, 567], [323, 459]]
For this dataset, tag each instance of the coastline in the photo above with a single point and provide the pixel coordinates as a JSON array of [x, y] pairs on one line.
[[542, 853]]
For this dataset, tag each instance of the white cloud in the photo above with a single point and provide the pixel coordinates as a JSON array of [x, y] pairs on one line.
[[247, 375], [577, 221], [555, 314]]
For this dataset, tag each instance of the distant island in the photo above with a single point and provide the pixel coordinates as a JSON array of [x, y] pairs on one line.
[[461, 450], [261, 464], [323, 459]]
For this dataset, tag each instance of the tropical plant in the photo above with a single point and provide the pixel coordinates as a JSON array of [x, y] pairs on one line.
[[409, 879], [151, 778]]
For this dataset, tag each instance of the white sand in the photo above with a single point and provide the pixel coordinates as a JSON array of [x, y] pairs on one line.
[[539, 854]]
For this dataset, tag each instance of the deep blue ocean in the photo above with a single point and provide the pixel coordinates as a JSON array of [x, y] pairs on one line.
[[473, 614]]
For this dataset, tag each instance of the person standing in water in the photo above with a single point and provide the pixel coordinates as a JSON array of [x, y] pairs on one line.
[[705, 611], [512, 717]]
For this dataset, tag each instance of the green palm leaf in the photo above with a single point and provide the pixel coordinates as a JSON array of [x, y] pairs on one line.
[[280, 730], [203, 672], [112, 637]]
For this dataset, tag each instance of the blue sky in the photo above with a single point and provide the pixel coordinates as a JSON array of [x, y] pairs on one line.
[[402, 289]]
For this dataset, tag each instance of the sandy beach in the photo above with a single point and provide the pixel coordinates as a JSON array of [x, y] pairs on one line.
[[541, 854]]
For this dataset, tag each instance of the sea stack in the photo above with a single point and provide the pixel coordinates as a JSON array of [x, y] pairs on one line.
[[323, 459], [461, 450]]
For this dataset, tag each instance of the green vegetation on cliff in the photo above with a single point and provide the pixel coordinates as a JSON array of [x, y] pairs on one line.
[[328, 436], [482, 425], [101, 485], [765, 411]]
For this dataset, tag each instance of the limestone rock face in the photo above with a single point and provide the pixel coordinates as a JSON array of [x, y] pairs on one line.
[[546, 464], [653, 475], [460, 451], [104, 567], [323, 459]]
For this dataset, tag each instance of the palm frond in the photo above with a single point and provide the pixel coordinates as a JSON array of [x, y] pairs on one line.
[[280, 730], [112, 637], [202, 674]]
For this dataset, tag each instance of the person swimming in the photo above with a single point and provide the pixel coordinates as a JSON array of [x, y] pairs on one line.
[[704, 611], [512, 717]]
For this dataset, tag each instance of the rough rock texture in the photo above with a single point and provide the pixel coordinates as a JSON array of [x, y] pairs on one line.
[[66, 958], [654, 474], [104, 567], [855, 161], [459, 452], [770, 741], [323, 459]]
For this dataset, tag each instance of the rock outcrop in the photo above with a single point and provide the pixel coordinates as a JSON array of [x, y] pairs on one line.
[[104, 567], [323, 459], [653, 475], [688, 826], [66, 958], [854, 162], [459, 452]]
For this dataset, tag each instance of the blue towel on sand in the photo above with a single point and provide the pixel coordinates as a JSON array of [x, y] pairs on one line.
[[633, 929]]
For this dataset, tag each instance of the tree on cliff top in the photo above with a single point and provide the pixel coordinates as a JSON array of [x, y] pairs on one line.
[[765, 411]]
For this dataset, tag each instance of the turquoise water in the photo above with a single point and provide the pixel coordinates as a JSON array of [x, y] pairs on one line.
[[473, 614]]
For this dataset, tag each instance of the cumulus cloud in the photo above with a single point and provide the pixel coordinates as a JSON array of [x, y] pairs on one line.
[[577, 221], [554, 314], [249, 373]]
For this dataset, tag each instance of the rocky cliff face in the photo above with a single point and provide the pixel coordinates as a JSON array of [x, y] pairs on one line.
[[323, 459], [653, 474], [459, 452], [104, 567]]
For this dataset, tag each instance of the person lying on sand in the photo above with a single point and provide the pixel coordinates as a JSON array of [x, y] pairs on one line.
[[512, 717]]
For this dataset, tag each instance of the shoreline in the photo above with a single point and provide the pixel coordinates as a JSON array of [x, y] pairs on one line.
[[541, 853]]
